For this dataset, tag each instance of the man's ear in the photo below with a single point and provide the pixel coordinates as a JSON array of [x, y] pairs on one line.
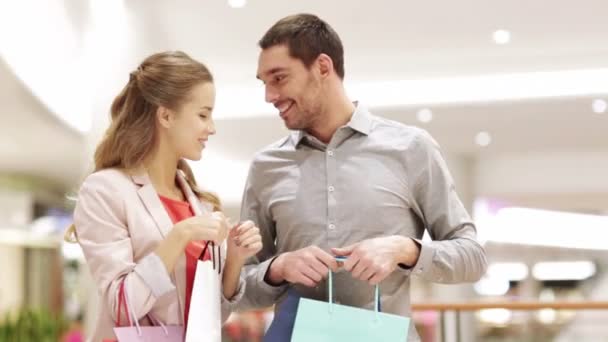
[[164, 116], [326, 65]]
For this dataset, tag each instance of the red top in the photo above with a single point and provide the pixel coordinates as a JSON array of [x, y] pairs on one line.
[[179, 211]]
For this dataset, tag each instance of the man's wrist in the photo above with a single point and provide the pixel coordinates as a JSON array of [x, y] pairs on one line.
[[410, 252], [274, 274]]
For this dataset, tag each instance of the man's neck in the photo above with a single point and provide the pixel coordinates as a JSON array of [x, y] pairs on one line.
[[334, 116]]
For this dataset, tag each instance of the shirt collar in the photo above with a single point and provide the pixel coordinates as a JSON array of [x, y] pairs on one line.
[[361, 121]]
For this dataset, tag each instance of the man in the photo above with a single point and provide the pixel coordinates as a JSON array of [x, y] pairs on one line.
[[346, 183]]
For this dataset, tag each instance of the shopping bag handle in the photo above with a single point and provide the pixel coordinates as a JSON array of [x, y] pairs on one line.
[[192, 198], [213, 253], [131, 316], [377, 307]]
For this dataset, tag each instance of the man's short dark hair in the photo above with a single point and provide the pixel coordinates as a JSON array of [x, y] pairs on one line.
[[306, 36]]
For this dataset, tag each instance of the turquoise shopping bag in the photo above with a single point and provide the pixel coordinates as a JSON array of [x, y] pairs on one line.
[[326, 321]]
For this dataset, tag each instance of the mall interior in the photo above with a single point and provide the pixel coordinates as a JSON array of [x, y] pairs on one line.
[[514, 92]]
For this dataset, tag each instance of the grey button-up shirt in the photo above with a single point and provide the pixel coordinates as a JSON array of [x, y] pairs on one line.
[[375, 178]]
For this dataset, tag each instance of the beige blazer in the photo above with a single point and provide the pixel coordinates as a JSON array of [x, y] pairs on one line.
[[119, 221]]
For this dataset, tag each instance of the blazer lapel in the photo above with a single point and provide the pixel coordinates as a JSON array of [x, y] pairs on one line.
[[149, 197], [197, 206]]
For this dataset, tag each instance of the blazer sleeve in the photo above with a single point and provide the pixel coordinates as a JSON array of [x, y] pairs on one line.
[[99, 218]]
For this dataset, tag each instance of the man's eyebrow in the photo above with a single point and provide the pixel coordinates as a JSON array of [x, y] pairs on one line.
[[271, 72]]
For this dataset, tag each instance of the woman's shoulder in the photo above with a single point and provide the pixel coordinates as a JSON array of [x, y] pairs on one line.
[[111, 178]]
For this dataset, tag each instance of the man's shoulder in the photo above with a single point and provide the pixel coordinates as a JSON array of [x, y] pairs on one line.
[[278, 146], [399, 134]]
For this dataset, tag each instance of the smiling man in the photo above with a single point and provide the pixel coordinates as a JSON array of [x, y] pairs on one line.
[[346, 183]]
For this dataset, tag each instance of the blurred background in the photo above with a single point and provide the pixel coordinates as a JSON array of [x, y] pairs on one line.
[[514, 91]]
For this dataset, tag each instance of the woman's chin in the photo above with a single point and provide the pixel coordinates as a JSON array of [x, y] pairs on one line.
[[196, 156]]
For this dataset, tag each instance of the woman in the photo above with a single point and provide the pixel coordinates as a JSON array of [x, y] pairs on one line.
[[134, 219]]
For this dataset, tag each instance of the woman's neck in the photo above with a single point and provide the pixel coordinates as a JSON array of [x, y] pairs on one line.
[[162, 169]]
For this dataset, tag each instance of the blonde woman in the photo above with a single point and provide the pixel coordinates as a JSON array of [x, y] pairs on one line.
[[134, 219]]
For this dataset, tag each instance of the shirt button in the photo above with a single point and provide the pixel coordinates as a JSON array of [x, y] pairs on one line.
[[331, 226], [330, 153], [330, 188]]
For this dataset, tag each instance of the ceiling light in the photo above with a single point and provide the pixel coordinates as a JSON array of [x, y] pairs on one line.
[[502, 37], [424, 115], [525, 226], [237, 3], [599, 106], [428, 92], [483, 139]]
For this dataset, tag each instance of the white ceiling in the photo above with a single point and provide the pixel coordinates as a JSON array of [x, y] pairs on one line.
[[391, 39], [32, 140], [384, 40]]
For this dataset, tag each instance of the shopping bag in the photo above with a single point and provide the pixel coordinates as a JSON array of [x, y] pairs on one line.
[[326, 321], [281, 327], [158, 332], [204, 316]]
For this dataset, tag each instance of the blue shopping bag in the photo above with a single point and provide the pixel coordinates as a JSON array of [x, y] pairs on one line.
[[282, 325]]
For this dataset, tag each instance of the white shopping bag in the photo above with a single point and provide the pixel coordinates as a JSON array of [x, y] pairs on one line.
[[204, 317]]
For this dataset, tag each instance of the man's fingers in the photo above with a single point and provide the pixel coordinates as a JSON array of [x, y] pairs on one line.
[[327, 259], [378, 277], [314, 273], [351, 262], [367, 274]]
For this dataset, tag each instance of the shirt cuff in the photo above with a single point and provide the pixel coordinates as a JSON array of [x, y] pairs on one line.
[[425, 259], [274, 290], [152, 271]]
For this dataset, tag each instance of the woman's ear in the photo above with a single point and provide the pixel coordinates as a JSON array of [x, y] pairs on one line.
[[164, 116]]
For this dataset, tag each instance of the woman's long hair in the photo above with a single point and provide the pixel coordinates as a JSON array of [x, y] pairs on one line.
[[163, 79]]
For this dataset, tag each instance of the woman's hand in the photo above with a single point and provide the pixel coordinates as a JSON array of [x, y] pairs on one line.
[[208, 227], [244, 241]]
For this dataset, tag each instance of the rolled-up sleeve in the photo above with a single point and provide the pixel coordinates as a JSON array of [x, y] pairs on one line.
[[99, 218], [453, 255], [148, 269]]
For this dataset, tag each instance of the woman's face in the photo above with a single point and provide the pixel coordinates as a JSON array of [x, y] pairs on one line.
[[192, 124]]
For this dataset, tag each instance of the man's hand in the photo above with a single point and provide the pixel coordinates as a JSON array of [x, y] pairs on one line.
[[375, 259], [306, 266]]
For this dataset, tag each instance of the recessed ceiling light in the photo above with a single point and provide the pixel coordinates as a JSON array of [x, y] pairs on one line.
[[502, 37], [424, 115], [237, 3], [483, 139], [599, 106]]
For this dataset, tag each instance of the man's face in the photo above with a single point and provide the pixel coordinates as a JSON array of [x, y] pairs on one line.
[[291, 87]]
